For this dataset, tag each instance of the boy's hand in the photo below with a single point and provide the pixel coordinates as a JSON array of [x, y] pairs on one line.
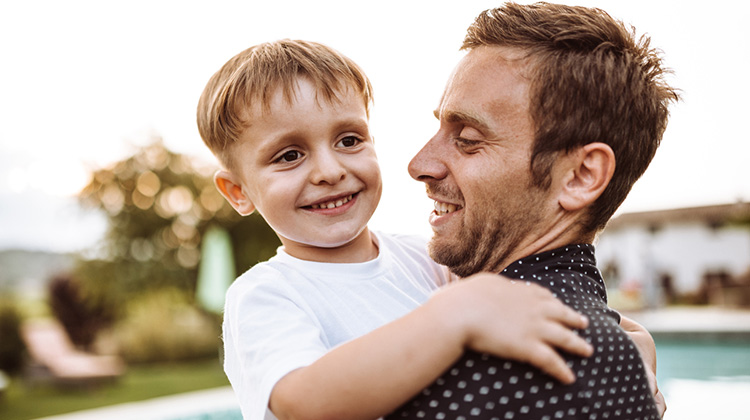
[[516, 321], [647, 348]]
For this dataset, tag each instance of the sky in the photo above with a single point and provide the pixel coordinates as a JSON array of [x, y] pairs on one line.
[[83, 83]]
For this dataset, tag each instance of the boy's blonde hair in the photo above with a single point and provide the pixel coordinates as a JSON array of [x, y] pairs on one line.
[[250, 78]]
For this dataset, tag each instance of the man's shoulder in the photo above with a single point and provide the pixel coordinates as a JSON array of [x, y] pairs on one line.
[[611, 383]]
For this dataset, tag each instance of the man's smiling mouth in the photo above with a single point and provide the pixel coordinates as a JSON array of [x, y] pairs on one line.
[[334, 203], [445, 208]]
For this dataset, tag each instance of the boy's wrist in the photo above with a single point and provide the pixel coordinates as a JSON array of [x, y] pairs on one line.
[[450, 310]]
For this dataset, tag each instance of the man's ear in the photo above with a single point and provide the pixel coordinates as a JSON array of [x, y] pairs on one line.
[[232, 191], [589, 171]]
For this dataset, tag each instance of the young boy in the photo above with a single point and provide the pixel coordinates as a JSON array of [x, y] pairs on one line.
[[343, 322]]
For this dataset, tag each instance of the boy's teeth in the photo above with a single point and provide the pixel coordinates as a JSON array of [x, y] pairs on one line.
[[333, 204], [444, 208]]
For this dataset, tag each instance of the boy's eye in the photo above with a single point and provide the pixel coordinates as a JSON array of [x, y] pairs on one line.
[[348, 141], [289, 156]]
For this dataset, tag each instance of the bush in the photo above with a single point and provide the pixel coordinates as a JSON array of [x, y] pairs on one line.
[[163, 327], [12, 348], [81, 318]]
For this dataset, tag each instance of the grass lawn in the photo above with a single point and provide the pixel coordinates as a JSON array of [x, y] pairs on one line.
[[26, 401]]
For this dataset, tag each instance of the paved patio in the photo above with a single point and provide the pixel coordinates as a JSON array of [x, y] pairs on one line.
[[696, 322]]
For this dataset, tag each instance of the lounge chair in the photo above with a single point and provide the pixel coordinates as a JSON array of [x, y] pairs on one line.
[[54, 355]]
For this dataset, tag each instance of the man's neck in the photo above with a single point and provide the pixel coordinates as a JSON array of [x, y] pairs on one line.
[[564, 231]]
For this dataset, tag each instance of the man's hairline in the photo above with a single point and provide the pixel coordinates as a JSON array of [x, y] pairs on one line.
[[525, 62]]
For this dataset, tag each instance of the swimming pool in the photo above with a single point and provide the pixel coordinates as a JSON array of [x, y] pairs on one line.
[[233, 414], [703, 379], [702, 360]]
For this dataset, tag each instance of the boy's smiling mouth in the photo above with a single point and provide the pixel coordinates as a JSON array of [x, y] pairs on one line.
[[332, 204]]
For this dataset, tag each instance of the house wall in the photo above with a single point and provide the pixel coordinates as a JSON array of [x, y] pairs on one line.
[[684, 251]]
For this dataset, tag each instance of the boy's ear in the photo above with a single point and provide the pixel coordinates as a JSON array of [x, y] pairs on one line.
[[232, 191], [586, 177]]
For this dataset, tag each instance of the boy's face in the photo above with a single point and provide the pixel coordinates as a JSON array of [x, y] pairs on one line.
[[310, 169]]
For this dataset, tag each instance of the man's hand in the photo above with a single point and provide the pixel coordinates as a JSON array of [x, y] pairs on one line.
[[647, 348], [515, 320]]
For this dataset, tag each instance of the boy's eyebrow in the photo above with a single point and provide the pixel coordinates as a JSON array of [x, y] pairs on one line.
[[356, 122], [458, 116]]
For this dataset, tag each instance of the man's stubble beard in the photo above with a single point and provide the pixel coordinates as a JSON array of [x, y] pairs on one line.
[[487, 245]]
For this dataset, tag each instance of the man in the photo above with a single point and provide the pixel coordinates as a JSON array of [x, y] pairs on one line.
[[544, 127]]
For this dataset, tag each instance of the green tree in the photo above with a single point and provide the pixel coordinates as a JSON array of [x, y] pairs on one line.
[[159, 205]]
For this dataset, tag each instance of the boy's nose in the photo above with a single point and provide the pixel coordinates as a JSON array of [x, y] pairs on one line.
[[327, 169]]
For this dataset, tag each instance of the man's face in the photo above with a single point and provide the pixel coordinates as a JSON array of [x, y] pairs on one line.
[[476, 168]]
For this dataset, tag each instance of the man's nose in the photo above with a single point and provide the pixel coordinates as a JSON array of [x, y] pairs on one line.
[[327, 168], [428, 163]]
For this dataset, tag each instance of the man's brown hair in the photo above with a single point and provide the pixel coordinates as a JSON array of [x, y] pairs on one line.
[[249, 79], [591, 81]]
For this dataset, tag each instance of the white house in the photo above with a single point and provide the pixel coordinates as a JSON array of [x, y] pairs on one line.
[[695, 255]]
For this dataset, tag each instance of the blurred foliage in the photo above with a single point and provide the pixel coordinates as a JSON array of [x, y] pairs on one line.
[[82, 319], [164, 327], [159, 205], [12, 348]]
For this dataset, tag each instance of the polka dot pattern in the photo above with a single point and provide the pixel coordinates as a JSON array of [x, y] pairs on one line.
[[611, 384]]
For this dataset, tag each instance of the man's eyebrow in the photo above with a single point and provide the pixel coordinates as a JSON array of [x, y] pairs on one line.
[[462, 117]]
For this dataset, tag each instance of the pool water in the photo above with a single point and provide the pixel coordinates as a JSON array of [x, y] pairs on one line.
[[702, 360], [704, 379], [216, 415]]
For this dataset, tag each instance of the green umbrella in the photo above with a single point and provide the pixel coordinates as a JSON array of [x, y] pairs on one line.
[[216, 270]]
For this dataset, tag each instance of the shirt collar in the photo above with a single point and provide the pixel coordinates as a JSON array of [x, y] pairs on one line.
[[576, 259]]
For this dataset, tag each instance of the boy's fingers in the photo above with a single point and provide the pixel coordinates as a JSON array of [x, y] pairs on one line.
[[549, 361], [570, 317], [567, 340], [661, 404]]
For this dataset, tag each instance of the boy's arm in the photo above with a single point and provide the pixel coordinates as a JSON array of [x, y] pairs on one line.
[[370, 376], [647, 348]]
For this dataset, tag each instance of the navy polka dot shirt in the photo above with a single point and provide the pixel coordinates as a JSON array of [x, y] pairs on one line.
[[611, 384]]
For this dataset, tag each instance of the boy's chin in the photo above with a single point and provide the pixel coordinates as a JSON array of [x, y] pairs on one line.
[[336, 248]]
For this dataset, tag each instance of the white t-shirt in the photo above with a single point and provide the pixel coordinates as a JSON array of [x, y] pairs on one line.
[[286, 313]]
